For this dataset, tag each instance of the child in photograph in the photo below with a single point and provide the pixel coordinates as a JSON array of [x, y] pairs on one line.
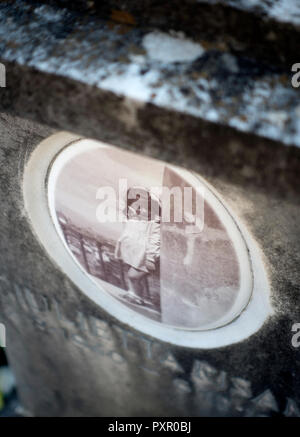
[[139, 243]]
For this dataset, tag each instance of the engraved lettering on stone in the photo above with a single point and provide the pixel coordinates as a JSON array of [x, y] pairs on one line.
[[171, 363], [206, 377], [182, 385], [291, 409], [241, 388], [265, 402], [213, 388]]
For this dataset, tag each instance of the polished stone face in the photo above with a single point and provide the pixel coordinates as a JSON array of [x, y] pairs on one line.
[[151, 235]]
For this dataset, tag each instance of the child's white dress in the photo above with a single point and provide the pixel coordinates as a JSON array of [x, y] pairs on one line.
[[139, 242]]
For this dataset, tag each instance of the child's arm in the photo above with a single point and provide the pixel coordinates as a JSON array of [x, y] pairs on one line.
[[117, 250]]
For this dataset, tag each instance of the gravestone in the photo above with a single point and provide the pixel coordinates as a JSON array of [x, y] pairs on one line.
[[217, 112]]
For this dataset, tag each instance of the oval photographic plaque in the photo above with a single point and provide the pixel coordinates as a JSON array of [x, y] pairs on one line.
[[153, 238]]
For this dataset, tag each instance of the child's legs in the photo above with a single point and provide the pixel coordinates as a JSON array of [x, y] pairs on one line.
[[135, 276]]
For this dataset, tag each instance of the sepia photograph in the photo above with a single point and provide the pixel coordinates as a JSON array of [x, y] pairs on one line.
[[147, 236]]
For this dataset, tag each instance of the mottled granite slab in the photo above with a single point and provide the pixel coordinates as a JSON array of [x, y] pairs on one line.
[[160, 92], [280, 10], [287, 11], [268, 29]]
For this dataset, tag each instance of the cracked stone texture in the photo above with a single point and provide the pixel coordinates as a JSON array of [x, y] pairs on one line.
[[279, 10], [230, 23], [223, 114], [105, 82]]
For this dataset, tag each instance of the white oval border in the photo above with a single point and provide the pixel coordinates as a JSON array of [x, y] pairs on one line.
[[245, 270], [35, 193]]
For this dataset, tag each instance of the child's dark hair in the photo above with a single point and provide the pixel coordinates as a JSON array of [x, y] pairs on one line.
[[130, 201]]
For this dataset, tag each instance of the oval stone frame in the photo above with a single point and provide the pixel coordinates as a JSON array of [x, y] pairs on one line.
[[250, 310]]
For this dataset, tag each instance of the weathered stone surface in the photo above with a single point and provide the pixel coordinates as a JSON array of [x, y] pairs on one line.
[[72, 358], [108, 84], [228, 23]]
